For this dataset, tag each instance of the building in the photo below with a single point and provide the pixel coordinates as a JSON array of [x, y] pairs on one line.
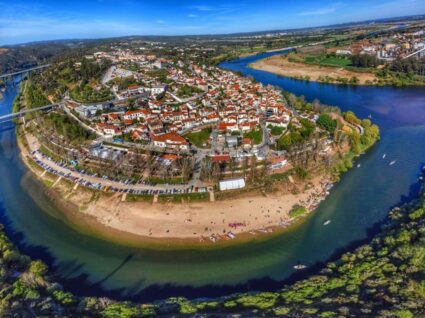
[[171, 140], [232, 184], [232, 141]]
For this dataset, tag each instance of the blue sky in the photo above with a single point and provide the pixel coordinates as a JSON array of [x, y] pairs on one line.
[[35, 20]]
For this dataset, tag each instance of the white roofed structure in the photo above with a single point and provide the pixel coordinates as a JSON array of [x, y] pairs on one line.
[[232, 184]]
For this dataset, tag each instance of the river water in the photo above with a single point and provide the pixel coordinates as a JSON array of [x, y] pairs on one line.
[[90, 266]]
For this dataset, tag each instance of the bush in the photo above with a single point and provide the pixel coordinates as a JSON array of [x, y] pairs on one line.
[[297, 211]]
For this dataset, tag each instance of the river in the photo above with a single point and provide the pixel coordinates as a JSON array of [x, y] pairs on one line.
[[90, 266]]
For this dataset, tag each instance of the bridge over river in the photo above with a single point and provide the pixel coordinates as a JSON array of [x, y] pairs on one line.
[[9, 117], [26, 71]]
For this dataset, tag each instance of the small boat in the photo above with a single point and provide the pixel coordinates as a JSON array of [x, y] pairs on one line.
[[231, 235], [326, 222], [392, 162], [358, 166], [300, 266], [384, 155]]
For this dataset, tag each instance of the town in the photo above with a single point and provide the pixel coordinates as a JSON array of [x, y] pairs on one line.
[[137, 126], [187, 114], [389, 48]]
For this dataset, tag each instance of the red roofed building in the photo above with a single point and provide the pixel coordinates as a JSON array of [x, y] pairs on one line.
[[170, 140], [109, 129], [220, 158], [136, 114], [223, 127]]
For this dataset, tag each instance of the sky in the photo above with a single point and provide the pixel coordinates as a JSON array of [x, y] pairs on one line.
[[37, 20]]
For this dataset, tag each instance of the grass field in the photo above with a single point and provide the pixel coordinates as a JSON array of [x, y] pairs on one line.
[[255, 135], [172, 180], [184, 196], [199, 138], [328, 61]]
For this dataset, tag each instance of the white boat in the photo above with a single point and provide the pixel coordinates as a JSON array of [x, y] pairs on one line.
[[326, 222], [358, 166], [231, 235], [384, 155], [300, 266], [392, 162]]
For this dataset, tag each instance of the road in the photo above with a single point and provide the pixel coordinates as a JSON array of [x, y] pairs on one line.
[[114, 186]]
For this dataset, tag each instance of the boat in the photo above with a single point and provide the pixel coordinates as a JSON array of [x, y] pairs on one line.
[[300, 266], [231, 235], [392, 162], [384, 155], [326, 222], [358, 166]]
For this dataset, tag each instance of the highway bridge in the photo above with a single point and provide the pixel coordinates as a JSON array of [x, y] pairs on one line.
[[12, 116], [28, 70]]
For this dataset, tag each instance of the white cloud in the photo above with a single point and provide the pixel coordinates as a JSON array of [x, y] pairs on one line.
[[191, 15], [318, 12], [323, 11], [203, 8]]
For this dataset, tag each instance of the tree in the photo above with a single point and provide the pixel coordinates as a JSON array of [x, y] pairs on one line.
[[186, 168], [351, 118], [326, 122], [38, 268]]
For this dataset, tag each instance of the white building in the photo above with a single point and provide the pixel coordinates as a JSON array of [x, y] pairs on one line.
[[232, 184]]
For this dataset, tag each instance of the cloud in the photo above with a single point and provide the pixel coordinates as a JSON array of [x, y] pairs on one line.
[[191, 15], [160, 21], [322, 11], [318, 12], [203, 8]]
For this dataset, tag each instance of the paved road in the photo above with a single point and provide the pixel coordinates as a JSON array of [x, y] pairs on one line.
[[96, 182]]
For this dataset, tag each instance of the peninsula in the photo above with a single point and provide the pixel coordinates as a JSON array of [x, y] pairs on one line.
[[167, 148]]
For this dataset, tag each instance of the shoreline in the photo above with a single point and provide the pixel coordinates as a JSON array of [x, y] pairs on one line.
[[124, 224]]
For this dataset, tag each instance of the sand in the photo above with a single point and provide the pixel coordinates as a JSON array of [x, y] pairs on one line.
[[252, 214], [280, 65]]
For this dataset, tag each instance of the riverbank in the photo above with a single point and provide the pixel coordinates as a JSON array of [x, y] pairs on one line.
[[279, 64], [136, 220], [140, 221]]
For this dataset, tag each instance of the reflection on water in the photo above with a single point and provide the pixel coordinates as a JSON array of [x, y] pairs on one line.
[[90, 266]]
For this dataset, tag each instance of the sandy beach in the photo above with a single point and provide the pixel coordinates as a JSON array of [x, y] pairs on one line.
[[250, 214], [204, 221], [280, 65]]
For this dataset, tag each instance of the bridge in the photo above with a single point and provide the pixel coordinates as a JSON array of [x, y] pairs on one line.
[[414, 53], [12, 116], [35, 68]]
